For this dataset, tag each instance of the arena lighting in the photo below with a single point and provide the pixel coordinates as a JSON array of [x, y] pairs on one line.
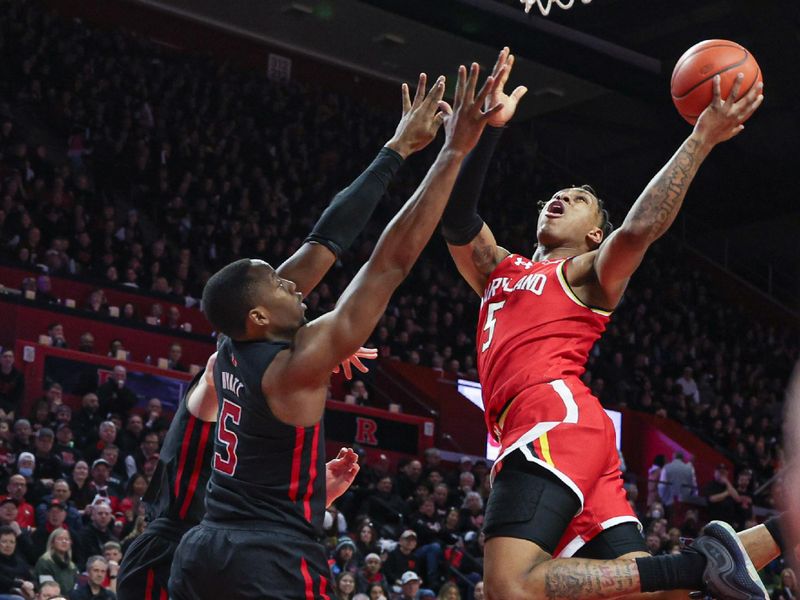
[[471, 390]]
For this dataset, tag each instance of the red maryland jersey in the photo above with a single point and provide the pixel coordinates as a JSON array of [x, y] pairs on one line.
[[532, 329]]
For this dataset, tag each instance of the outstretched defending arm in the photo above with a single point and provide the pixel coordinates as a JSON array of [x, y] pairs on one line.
[[295, 377], [350, 210], [469, 239], [655, 210]]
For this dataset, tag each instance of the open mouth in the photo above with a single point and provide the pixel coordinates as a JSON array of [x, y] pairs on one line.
[[554, 209]]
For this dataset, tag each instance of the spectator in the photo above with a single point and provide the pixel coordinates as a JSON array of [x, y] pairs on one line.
[[345, 586], [653, 479], [367, 540], [49, 590], [64, 447], [90, 539], [173, 319], [87, 421], [787, 589], [112, 552], [107, 435], [114, 394], [44, 289], [721, 495], [402, 558], [17, 488], [155, 416], [344, 559], [148, 448], [376, 592], [370, 575], [677, 482], [101, 484], [22, 436], [55, 519], [410, 587], [383, 506], [744, 505], [449, 591], [81, 490], [56, 333], [86, 343], [97, 569], [478, 593], [13, 568], [174, 360], [358, 394], [12, 386], [471, 513], [688, 385], [408, 478], [63, 494], [48, 465], [130, 437]]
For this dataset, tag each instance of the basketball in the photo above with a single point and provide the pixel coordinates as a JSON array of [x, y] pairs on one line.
[[692, 78]]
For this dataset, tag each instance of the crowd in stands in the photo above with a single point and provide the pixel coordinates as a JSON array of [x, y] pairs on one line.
[[174, 165]]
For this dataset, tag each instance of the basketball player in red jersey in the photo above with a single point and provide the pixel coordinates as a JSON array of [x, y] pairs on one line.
[[265, 501], [557, 489]]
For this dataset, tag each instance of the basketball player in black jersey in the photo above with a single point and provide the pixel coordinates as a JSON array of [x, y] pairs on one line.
[[176, 495], [265, 500]]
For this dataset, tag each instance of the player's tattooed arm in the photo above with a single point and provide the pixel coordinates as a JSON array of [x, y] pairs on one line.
[[476, 260], [656, 209]]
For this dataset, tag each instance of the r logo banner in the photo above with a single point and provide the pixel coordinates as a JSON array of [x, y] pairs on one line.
[[366, 430]]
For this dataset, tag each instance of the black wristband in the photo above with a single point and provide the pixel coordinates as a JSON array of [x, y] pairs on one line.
[[460, 221], [775, 527], [350, 210]]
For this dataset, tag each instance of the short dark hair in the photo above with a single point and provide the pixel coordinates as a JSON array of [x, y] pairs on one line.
[[228, 297], [6, 530], [605, 223]]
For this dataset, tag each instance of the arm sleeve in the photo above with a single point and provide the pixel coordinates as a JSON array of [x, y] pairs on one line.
[[460, 222], [351, 209]]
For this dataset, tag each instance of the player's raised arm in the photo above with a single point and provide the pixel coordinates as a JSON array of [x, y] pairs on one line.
[[469, 239], [350, 210], [322, 344], [655, 210]]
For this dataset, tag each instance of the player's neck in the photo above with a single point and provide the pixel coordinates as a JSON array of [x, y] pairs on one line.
[[543, 252]]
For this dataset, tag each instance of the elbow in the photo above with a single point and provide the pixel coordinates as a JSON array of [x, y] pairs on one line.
[[635, 236]]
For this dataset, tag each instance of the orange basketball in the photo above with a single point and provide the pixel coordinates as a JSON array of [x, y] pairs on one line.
[[693, 74]]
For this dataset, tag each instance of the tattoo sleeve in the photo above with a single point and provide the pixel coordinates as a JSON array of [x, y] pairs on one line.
[[657, 207], [574, 579]]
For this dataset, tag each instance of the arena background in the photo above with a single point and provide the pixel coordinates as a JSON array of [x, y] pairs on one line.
[[306, 92]]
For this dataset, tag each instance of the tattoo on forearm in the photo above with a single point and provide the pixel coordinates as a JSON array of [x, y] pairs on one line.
[[575, 579], [658, 205]]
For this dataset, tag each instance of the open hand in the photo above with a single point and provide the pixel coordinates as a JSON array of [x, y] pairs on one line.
[[420, 121], [498, 95], [354, 360], [722, 119], [465, 120]]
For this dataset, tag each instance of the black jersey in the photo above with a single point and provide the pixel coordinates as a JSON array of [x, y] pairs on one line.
[[263, 469], [177, 490]]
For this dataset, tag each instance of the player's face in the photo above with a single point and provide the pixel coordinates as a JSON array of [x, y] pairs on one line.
[[282, 301], [567, 218]]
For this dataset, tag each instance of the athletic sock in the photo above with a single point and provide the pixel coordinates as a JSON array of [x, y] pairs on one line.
[[682, 571], [775, 527]]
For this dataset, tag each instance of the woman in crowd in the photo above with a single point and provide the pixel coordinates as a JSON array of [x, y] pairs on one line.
[[376, 592], [449, 591], [345, 586], [57, 561], [367, 540], [79, 485], [788, 587]]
